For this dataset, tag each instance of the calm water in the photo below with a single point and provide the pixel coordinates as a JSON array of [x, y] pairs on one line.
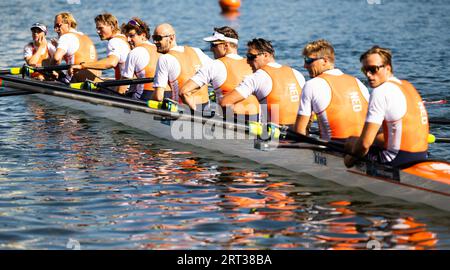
[[67, 177]]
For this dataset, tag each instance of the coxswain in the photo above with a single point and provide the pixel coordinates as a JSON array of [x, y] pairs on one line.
[[74, 48], [176, 65], [278, 86], [40, 51], [339, 100], [225, 73], [396, 106]]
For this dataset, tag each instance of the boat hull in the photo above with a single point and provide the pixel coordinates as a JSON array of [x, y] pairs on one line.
[[304, 158]]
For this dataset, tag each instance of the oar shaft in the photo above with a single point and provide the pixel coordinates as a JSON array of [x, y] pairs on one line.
[[124, 82]]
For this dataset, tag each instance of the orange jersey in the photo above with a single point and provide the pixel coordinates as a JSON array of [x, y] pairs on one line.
[[284, 99], [346, 113], [43, 57], [151, 67], [236, 71], [86, 52], [413, 129], [189, 64]]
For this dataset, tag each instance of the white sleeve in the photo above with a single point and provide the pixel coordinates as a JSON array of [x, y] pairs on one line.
[[51, 48], [306, 100], [130, 65], [204, 59], [215, 73], [69, 44], [258, 84], [27, 51], [167, 70], [364, 90], [300, 78], [377, 106], [118, 48]]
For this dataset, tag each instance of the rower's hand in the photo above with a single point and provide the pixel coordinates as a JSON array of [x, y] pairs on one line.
[[122, 90]]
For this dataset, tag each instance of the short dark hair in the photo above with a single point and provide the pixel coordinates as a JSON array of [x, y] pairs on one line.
[[384, 53], [228, 32], [261, 45], [140, 29]]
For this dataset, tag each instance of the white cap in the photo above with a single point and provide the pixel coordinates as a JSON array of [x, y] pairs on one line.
[[218, 36]]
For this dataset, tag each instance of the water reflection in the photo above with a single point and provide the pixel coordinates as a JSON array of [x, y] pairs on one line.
[[109, 187]]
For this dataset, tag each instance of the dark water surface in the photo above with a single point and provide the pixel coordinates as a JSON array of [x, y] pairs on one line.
[[66, 177]]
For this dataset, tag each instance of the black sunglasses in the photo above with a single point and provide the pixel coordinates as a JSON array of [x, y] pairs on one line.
[[159, 38], [309, 60], [371, 69], [252, 57]]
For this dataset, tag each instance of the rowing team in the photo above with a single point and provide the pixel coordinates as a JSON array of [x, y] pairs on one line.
[[393, 117]]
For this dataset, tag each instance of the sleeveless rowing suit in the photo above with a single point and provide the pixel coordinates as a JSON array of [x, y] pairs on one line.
[[398, 108], [346, 112], [149, 70], [85, 53], [237, 69], [284, 98], [189, 64]]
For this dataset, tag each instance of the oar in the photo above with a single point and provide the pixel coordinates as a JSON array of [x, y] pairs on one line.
[[439, 121], [29, 70], [89, 85], [433, 139]]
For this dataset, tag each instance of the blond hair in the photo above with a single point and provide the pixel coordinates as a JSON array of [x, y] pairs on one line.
[[321, 47], [68, 18], [108, 19]]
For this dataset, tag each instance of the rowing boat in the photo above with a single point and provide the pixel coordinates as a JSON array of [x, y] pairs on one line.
[[426, 182]]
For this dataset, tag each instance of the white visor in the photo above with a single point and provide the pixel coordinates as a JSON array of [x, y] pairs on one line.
[[218, 36]]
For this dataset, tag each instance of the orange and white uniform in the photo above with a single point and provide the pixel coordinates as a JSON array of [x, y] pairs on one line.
[[399, 108], [119, 47], [78, 48], [141, 63], [30, 49], [178, 66], [277, 86], [340, 102], [225, 74]]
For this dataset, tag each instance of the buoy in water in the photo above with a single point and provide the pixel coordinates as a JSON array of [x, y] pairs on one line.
[[229, 5]]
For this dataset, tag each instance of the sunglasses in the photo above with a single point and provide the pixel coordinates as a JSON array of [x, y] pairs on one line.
[[371, 69], [159, 38], [57, 25], [135, 23], [213, 45], [252, 57], [309, 60]]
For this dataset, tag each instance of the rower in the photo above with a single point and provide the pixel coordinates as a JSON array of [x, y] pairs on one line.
[[225, 73], [40, 51], [339, 100], [74, 47], [176, 65], [141, 61], [397, 106], [273, 84], [117, 50]]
